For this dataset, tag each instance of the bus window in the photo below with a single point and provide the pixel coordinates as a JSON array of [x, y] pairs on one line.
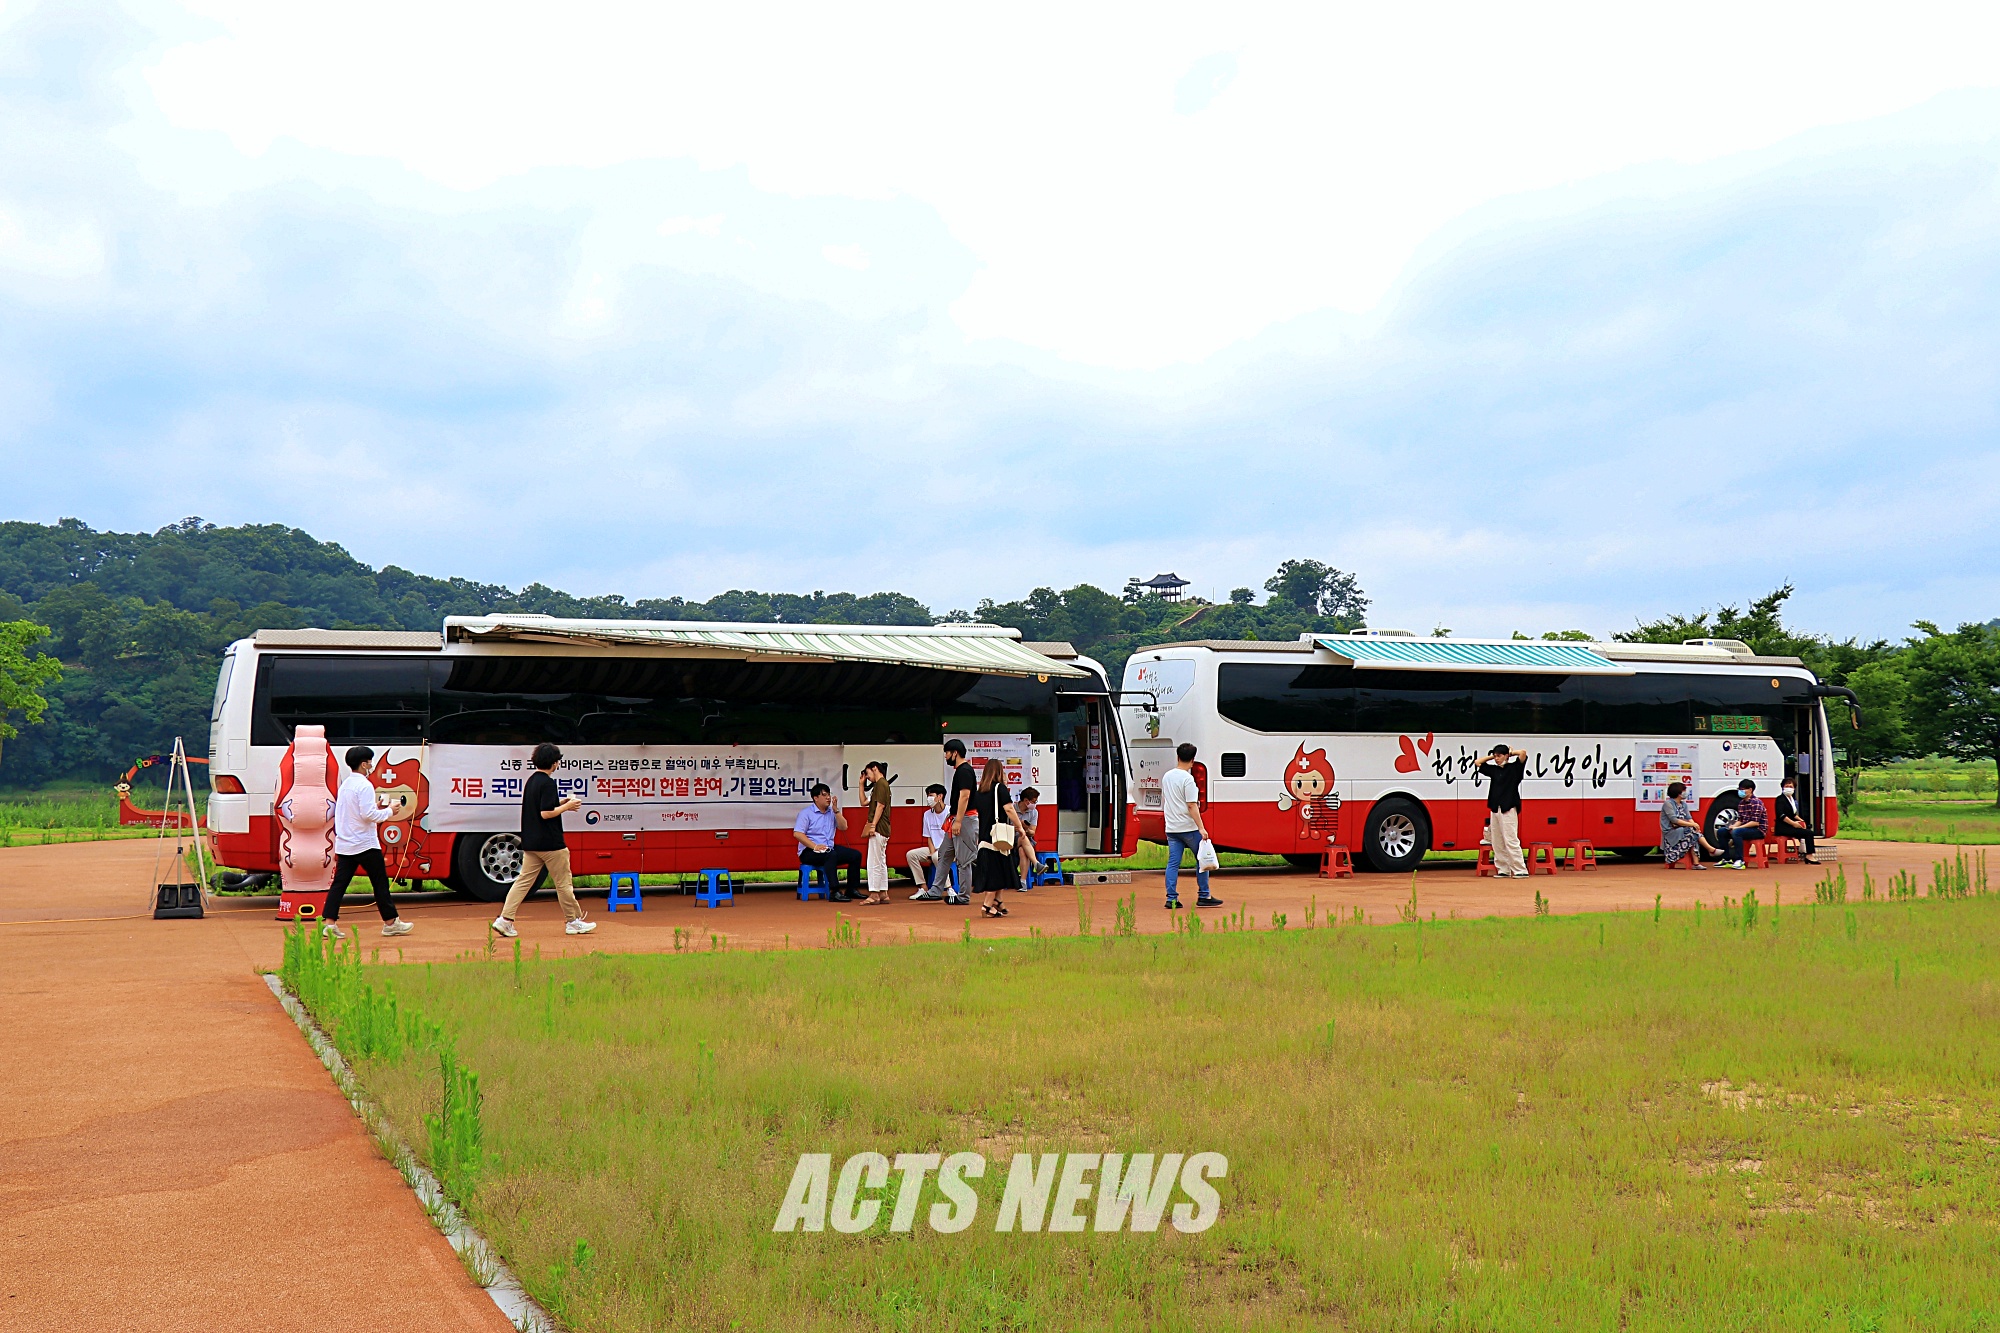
[[355, 699], [1412, 702], [1527, 705], [1286, 698]]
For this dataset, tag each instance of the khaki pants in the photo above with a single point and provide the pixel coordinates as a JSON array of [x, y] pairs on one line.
[[1506, 839], [532, 864], [878, 865], [921, 859]]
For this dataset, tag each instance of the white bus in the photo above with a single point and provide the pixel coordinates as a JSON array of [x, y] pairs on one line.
[[692, 744], [1369, 741]]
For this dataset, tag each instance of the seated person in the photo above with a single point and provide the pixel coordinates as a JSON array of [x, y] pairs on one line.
[[814, 832], [1031, 859], [928, 857], [1792, 821], [1748, 823], [1680, 831]]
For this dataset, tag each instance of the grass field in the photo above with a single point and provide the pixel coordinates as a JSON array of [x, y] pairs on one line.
[[1772, 1118]]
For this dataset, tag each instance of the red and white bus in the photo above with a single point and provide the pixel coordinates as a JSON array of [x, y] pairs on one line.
[[1369, 741], [692, 744]]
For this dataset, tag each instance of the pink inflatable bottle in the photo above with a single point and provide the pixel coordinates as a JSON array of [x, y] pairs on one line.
[[308, 780]]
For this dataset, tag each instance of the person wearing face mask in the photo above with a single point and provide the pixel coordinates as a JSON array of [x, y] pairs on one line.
[[1792, 821]]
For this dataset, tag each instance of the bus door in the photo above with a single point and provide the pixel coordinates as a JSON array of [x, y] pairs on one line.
[[1799, 736], [1089, 800]]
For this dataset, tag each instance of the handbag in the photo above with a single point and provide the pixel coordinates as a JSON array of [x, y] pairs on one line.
[[1002, 833]]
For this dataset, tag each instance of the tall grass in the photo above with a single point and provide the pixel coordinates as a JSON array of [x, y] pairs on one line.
[[1637, 1121]]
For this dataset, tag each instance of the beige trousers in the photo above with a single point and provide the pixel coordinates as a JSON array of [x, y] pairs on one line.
[[532, 865], [878, 865], [1506, 840]]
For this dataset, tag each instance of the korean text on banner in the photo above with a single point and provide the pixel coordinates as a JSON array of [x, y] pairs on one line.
[[1016, 754], [477, 788]]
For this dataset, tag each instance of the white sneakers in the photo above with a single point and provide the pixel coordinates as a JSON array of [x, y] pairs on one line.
[[331, 929], [502, 926], [397, 927]]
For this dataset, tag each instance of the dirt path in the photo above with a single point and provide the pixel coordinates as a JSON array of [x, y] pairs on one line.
[[173, 1157]]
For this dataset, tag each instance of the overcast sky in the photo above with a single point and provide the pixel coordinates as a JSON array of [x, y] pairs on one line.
[[1533, 316]]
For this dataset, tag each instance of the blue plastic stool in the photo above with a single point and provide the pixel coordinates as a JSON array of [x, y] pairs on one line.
[[1051, 871], [632, 900], [807, 889], [719, 891]]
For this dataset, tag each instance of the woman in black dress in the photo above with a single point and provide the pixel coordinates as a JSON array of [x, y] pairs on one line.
[[993, 870]]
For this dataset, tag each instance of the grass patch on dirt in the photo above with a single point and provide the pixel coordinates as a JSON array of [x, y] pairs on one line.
[[1770, 1118]]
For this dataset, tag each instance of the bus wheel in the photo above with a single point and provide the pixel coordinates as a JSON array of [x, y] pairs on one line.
[[1398, 835], [485, 864], [1721, 811], [1304, 860]]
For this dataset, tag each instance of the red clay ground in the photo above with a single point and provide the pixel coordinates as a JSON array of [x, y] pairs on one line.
[[172, 1156]]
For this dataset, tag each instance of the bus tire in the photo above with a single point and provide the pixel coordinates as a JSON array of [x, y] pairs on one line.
[[479, 862], [1304, 860], [1397, 835], [1722, 810]]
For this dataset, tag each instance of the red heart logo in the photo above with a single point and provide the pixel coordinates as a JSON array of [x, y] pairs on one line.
[[1406, 762], [1425, 743]]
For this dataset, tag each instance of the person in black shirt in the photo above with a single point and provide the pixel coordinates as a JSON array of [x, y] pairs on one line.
[[1503, 770], [993, 869], [542, 848], [961, 821]]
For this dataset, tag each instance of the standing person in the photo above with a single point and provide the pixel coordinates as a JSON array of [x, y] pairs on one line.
[[1503, 769], [1027, 804], [927, 860], [993, 869], [357, 845], [542, 847], [1180, 802], [815, 832], [875, 787], [1747, 825], [1680, 831], [1792, 821], [963, 822]]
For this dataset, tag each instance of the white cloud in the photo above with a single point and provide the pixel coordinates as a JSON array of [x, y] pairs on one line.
[[847, 256]]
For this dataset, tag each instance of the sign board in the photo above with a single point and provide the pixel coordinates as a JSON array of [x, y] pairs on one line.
[[1150, 762], [1659, 763], [1015, 752], [626, 788]]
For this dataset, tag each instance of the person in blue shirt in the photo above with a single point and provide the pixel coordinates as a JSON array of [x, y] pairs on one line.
[[814, 831]]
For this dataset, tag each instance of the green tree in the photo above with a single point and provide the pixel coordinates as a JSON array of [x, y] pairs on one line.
[[1319, 590], [1954, 690], [23, 677]]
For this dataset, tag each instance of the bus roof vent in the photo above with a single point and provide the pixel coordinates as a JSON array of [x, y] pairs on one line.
[[1386, 633], [1736, 646]]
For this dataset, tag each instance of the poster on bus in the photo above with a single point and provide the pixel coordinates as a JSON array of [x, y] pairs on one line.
[[1015, 754], [628, 788], [1662, 762]]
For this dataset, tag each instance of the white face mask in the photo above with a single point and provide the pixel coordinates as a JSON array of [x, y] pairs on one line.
[[1786, 790]]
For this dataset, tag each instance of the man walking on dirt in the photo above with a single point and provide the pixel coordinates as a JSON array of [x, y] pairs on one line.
[[542, 848]]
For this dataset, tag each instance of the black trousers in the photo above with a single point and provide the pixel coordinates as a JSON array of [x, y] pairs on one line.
[[378, 875], [833, 858], [1787, 829]]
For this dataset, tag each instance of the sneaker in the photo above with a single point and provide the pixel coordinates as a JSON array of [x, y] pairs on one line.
[[927, 896], [502, 926], [1208, 902], [958, 900], [329, 928], [579, 927], [1733, 865], [1175, 904], [397, 927]]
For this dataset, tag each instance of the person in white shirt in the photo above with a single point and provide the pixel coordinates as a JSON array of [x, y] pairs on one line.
[[357, 845], [928, 858], [1180, 801]]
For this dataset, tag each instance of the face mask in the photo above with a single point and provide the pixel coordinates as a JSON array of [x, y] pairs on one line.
[[1786, 790]]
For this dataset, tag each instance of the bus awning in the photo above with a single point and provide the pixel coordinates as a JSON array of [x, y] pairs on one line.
[[989, 649], [1527, 656]]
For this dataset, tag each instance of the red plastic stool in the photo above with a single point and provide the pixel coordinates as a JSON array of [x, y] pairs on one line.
[[1582, 855], [1541, 858], [1754, 854], [1778, 851], [1691, 861], [1486, 866], [1336, 863]]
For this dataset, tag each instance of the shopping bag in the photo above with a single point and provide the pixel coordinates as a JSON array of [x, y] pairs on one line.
[[1205, 857]]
